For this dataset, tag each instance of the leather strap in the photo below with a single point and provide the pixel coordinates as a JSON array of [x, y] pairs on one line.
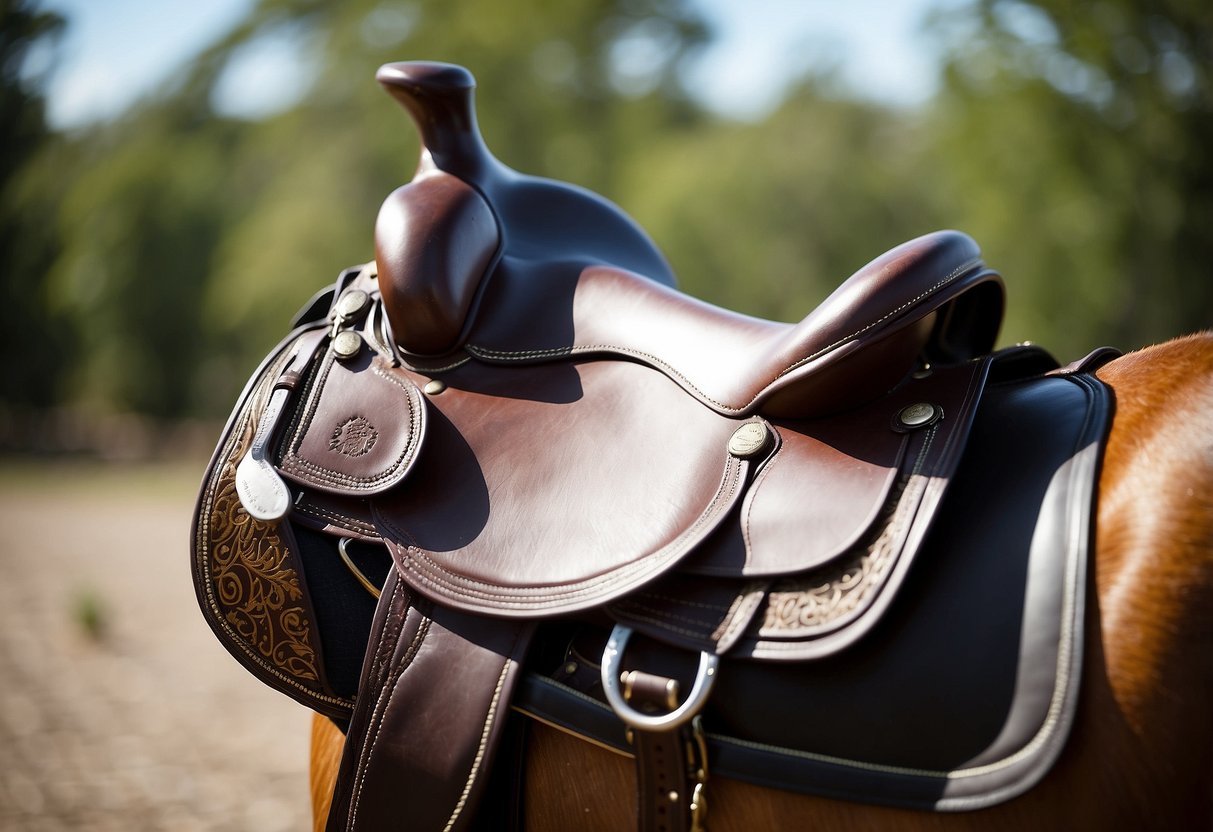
[[662, 798], [428, 718], [671, 767]]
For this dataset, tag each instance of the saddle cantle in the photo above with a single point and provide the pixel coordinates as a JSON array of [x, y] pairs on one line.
[[512, 430]]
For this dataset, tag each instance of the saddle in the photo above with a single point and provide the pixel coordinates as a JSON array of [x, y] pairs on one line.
[[507, 472]]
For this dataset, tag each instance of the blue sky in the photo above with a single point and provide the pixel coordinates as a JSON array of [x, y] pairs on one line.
[[116, 50]]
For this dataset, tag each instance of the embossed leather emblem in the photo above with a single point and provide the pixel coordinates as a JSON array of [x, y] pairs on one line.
[[353, 437]]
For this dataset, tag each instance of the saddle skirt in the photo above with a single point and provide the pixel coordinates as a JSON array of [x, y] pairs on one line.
[[860, 540]]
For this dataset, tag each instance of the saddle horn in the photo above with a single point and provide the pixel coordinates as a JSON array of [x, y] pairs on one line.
[[438, 238], [441, 100]]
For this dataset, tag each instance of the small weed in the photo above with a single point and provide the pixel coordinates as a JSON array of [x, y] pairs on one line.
[[90, 613]]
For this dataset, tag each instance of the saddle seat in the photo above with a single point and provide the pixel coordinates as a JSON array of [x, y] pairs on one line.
[[928, 301]]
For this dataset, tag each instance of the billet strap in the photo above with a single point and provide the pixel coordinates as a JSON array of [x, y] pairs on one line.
[[667, 737], [671, 778], [430, 712]]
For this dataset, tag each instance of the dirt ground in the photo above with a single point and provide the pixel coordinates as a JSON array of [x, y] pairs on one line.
[[118, 708]]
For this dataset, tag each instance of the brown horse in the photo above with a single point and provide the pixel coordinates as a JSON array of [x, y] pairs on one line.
[[1140, 755]]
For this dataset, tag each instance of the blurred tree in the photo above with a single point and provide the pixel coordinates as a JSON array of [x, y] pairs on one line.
[[149, 201], [769, 218], [36, 345], [1073, 141]]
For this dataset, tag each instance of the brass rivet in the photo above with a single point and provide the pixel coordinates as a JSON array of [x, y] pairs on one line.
[[570, 667], [749, 440], [434, 386], [672, 797], [917, 415], [352, 302], [347, 344]]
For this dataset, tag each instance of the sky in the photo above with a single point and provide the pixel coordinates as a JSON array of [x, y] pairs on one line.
[[115, 51]]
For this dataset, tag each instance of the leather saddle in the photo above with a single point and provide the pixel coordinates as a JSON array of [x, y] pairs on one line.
[[506, 471]]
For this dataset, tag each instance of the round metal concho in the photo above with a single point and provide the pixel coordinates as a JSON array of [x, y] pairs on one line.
[[749, 440], [917, 415], [346, 345], [352, 302]]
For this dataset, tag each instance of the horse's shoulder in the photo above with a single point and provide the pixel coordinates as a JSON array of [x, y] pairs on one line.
[[1154, 569]]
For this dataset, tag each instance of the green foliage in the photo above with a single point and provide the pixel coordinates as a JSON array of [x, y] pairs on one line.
[[35, 343], [769, 218], [1077, 138], [91, 614], [192, 237], [174, 243]]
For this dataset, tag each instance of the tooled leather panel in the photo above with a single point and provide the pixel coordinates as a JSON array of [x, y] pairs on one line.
[[730, 361], [551, 488], [248, 579], [358, 428]]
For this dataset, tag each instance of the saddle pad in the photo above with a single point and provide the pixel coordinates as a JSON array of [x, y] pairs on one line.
[[963, 695]]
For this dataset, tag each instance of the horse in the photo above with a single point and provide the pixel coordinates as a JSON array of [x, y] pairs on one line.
[[1140, 755], [778, 482]]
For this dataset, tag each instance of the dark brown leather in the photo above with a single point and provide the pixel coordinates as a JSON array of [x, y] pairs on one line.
[[519, 417], [670, 775], [434, 242], [436, 687], [856, 346], [358, 431], [663, 789], [538, 219]]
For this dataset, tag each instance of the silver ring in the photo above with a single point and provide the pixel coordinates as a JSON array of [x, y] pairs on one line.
[[612, 658]]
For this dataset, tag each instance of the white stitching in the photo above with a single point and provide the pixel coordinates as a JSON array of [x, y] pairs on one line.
[[385, 698], [484, 737]]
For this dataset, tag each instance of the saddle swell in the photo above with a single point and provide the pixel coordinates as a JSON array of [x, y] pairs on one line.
[[515, 425]]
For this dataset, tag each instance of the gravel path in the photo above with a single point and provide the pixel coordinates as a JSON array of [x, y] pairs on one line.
[[118, 708]]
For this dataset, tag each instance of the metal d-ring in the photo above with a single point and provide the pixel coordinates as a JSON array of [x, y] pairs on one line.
[[612, 658]]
